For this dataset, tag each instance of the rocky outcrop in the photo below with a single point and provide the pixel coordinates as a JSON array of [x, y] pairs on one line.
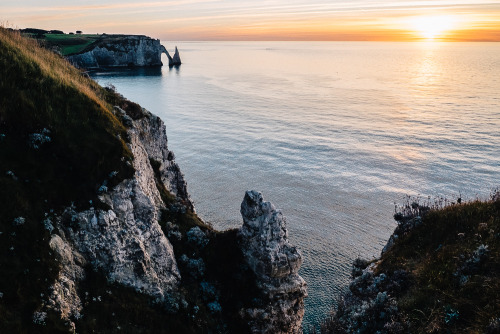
[[124, 242], [88, 239], [120, 51], [175, 60], [263, 239]]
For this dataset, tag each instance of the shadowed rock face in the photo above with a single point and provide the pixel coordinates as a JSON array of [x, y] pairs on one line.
[[175, 60], [124, 242], [264, 241], [120, 51]]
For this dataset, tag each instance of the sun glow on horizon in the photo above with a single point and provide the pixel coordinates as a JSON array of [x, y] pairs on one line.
[[316, 20], [431, 27]]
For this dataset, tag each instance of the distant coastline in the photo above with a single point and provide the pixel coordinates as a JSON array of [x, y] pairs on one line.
[[101, 51]]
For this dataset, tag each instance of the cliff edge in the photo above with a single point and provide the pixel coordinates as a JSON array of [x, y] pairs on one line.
[[97, 230], [122, 51], [438, 273]]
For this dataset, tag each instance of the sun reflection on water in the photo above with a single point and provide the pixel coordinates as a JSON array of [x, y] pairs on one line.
[[427, 71]]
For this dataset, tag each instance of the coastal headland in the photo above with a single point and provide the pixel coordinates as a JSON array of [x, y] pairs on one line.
[[98, 51]]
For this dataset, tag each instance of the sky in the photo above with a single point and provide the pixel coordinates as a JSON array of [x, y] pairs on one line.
[[178, 20]]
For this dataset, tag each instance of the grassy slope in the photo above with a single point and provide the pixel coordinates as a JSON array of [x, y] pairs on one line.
[[441, 275], [439, 254], [39, 90]]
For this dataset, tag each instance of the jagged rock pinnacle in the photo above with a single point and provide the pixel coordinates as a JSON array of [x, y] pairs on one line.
[[263, 239]]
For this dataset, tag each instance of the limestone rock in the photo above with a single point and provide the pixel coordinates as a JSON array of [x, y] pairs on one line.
[[175, 60], [125, 242], [120, 51], [263, 239], [64, 297]]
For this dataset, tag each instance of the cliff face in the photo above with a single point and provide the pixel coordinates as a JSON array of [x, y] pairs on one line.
[[97, 230], [125, 241], [126, 244], [120, 51]]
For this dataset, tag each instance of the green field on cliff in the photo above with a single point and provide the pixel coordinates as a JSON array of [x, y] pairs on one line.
[[70, 44], [56, 40]]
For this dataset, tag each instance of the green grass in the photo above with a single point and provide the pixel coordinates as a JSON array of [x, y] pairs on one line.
[[436, 254], [70, 44]]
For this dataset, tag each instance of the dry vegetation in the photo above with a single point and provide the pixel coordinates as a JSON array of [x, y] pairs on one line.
[[441, 275], [58, 142]]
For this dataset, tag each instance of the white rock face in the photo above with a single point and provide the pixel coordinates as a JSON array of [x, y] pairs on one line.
[[126, 242], [120, 51], [64, 297], [151, 134], [264, 241]]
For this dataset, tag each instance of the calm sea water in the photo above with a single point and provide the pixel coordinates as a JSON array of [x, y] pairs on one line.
[[333, 133]]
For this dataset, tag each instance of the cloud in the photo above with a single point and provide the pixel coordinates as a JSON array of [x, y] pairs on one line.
[[223, 16]]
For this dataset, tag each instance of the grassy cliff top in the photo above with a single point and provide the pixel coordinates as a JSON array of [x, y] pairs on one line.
[[59, 142], [453, 258], [440, 273], [69, 44]]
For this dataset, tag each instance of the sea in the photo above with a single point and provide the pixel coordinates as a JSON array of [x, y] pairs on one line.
[[335, 134]]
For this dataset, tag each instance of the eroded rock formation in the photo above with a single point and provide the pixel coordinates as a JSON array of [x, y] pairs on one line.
[[264, 241], [175, 60], [124, 242], [120, 51]]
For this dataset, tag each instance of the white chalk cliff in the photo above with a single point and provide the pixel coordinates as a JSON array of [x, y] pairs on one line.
[[124, 242], [120, 51]]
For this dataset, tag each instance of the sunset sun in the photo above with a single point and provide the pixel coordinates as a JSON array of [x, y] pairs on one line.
[[431, 27]]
